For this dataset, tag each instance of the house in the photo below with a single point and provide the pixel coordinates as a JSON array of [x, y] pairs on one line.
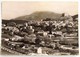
[[43, 33]]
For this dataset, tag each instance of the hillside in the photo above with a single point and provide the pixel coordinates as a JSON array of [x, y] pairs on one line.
[[39, 15]]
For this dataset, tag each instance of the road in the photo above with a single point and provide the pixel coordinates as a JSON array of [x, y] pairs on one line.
[[6, 51]]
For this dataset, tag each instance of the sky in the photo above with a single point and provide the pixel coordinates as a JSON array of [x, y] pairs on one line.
[[18, 8]]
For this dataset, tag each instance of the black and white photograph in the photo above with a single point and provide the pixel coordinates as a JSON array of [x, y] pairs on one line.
[[39, 28]]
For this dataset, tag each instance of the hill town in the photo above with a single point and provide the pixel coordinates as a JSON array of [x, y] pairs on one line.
[[44, 33]]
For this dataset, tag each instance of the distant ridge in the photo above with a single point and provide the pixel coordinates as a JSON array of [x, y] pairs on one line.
[[38, 15]]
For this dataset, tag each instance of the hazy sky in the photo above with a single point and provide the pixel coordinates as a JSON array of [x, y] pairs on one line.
[[16, 9]]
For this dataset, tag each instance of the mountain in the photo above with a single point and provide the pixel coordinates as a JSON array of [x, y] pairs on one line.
[[40, 15]]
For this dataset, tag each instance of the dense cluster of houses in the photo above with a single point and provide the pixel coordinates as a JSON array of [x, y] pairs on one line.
[[44, 33]]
